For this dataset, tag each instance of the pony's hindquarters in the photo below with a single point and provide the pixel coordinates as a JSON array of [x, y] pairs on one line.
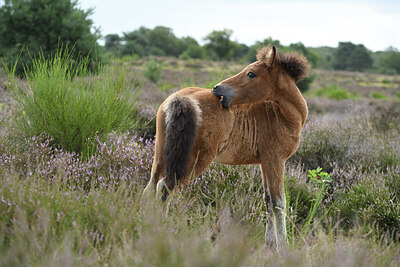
[[178, 120], [190, 126], [182, 118]]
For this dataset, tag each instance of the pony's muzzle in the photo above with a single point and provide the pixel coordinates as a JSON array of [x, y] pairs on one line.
[[224, 94]]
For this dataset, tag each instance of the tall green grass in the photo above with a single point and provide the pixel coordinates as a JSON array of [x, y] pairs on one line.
[[64, 100]]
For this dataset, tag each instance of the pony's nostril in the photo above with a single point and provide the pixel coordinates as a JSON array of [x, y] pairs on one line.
[[215, 87]]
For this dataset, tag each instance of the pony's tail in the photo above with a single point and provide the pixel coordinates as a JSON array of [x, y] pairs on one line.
[[181, 118]]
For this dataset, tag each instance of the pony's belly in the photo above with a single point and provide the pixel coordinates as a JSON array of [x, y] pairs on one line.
[[239, 156]]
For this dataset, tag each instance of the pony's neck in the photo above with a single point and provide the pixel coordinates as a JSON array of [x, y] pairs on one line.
[[292, 103]]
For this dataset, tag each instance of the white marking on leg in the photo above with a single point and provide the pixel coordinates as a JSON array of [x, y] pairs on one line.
[[159, 188], [280, 216], [148, 192], [270, 231]]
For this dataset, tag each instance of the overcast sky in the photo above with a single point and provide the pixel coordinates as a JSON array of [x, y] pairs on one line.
[[376, 24]]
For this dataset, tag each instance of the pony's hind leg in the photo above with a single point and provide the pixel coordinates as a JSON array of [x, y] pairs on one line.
[[158, 166], [157, 171], [198, 161]]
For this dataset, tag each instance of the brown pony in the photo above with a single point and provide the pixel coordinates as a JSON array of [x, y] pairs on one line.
[[254, 117]]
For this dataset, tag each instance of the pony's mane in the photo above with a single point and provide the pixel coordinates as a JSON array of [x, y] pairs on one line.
[[294, 64]]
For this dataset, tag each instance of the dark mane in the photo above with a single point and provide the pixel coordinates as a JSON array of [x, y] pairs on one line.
[[294, 64]]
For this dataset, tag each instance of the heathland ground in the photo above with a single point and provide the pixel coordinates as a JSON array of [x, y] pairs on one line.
[[59, 207]]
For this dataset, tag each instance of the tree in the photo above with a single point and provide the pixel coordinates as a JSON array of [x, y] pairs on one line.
[[30, 27], [159, 41], [136, 42], [342, 54], [112, 43], [359, 59], [240, 51], [391, 62], [193, 51], [163, 38], [220, 44], [352, 57], [311, 56]]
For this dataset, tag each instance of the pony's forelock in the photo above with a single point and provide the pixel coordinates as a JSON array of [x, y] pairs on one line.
[[294, 64]]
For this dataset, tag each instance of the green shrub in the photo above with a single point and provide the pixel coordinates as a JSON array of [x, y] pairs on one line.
[[385, 81], [321, 148], [167, 86], [306, 205], [63, 101], [386, 117], [334, 91], [373, 202], [379, 95], [304, 84], [153, 71], [398, 94], [342, 145]]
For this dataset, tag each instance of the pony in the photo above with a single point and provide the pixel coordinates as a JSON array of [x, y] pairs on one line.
[[254, 117]]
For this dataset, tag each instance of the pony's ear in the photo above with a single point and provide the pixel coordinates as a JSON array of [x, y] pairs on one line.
[[272, 56]]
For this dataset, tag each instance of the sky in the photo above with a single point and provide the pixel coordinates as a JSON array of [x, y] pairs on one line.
[[374, 23]]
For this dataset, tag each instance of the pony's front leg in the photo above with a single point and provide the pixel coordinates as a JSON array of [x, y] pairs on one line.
[[275, 201]]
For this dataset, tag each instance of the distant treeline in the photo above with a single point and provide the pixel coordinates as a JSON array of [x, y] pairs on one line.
[[32, 28], [161, 41]]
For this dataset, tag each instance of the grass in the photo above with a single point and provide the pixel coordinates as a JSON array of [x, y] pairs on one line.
[[54, 221], [166, 86], [379, 95], [63, 100], [335, 92], [59, 208]]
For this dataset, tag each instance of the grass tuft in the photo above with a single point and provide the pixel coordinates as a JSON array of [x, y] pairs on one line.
[[379, 95], [63, 100]]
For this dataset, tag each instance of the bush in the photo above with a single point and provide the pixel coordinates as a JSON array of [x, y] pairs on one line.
[[64, 102], [153, 71], [386, 117], [379, 95], [374, 200], [304, 84], [334, 91], [320, 148], [341, 145]]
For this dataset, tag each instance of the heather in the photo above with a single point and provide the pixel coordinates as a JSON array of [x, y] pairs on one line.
[[58, 207]]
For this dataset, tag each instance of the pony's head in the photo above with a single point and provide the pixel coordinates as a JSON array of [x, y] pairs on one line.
[[263, 79]]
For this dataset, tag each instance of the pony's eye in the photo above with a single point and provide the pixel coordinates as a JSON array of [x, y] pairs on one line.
[[251, 75]]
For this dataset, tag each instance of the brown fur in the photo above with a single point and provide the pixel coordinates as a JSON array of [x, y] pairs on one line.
[[262, 126], [294, 64]]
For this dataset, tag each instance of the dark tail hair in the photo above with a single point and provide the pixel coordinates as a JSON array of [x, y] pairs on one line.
[[181, 128]]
